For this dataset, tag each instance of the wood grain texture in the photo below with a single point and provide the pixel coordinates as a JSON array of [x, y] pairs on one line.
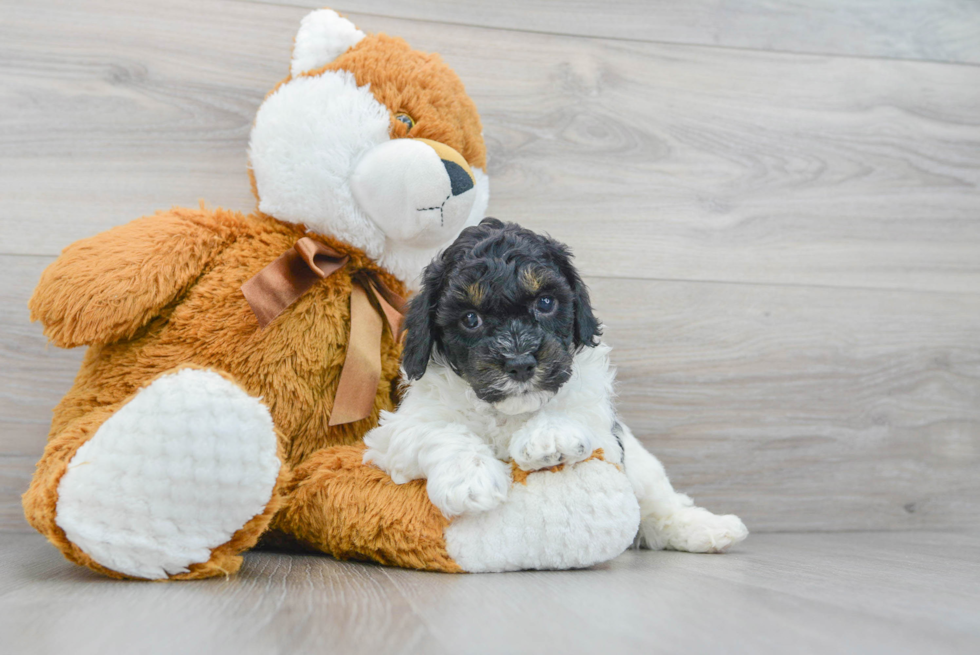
[[941, 30], [114, 110], [891, 593], [816, 390], [654, 161], [785, 250], [797, 408], [15, 476], [822, 407], [35, 374]]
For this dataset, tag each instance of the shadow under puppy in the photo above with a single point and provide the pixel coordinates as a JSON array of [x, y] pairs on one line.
[[505, 363]]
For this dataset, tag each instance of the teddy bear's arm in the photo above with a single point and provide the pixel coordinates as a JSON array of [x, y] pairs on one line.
[[108, 286]]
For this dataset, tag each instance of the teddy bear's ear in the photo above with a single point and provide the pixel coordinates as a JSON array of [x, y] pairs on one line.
[[323, 36]]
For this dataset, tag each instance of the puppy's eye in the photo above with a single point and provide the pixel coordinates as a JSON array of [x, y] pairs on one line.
[[546, 304], [471, 320], [408, 121]]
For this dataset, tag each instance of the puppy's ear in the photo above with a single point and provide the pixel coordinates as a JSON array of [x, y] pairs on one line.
[[587, 330], [420, 321]]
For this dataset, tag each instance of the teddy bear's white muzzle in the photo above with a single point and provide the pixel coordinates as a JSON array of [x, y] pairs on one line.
[[420, 193]]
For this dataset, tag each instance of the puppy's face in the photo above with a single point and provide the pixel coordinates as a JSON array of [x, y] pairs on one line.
[[506, 310]]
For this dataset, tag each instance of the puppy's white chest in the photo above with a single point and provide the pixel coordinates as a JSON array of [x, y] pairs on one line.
[[498, 430], [581, 407]]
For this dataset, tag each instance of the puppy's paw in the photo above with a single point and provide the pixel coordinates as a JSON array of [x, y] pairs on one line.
[[550, 441], [468, 483], [693, 530]]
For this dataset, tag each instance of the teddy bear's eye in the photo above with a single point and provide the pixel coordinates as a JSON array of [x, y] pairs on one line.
[[406, 119]]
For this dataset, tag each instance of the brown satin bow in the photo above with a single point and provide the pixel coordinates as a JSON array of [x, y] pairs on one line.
[[277, 286]]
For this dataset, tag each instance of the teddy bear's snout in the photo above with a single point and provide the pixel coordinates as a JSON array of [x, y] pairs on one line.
[[460, 174], [460, 180], [418, 191]]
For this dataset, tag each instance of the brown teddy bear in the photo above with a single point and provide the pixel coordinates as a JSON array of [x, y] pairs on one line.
[[367, 159], [235, 362]]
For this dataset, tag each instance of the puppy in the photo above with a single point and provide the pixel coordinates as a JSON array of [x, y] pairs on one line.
[[505, 363]]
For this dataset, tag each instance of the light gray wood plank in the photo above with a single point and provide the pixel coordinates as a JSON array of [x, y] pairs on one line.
[[648, 600], [853, 593], [15, 476], [797, 408], [275, 605], [655, 161], [34, 375], [113, 110], [801, 409], [942, 30]]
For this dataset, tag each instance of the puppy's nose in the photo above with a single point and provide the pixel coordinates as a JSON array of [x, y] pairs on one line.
[[520, 368]]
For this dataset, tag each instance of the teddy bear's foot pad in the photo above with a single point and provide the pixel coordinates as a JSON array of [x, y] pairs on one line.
[[568, 519], [172, 475]]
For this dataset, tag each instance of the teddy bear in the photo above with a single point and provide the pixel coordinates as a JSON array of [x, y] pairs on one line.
[[235, 361]]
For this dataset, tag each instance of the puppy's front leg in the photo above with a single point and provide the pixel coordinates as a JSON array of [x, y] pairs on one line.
[[465, 477], [462, 475], [549, 439]]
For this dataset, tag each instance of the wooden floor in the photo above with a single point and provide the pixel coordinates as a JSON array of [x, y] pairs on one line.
[[777, 207], [909, 592]]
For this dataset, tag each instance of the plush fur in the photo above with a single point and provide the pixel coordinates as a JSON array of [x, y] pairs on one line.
[[111, 500], [471, 409], [317, 136], [164, 292], [568, 517], [322, 37]]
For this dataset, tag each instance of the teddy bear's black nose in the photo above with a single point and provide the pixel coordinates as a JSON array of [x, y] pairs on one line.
[[458, 177], [520, 368]]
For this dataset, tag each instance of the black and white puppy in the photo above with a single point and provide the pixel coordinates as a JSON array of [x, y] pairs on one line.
[[505, 362]]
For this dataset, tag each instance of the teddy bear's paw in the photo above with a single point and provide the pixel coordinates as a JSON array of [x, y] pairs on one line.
[[172, 475], [468, 483], [693, 530], [545, 443], [571, 518]]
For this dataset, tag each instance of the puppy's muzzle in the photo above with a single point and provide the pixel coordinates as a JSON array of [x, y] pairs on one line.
[[520, 368]]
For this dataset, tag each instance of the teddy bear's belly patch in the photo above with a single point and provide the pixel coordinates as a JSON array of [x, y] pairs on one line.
[[170, 476]]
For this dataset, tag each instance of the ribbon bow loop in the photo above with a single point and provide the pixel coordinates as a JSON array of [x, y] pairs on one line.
[[372, 304]]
